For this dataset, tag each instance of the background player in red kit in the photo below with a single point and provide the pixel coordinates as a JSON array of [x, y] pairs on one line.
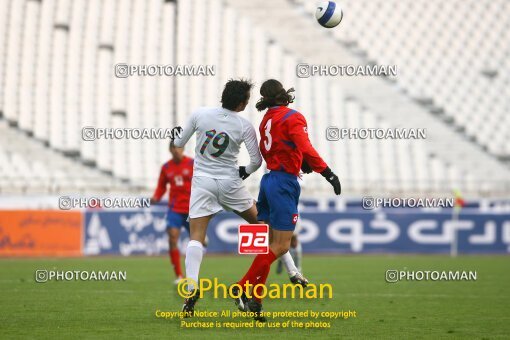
[[286, 148], [177, 172]]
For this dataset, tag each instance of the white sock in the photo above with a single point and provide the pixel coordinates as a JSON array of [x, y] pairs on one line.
[[194, 254], [288, 262]]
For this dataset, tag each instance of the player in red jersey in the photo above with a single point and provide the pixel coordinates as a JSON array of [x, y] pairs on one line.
[[287, 150], [178, 173]]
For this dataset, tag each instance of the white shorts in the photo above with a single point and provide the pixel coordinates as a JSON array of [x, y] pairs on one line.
[[210, 196]]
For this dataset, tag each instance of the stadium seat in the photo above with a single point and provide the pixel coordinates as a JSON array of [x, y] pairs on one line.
[[56, 77]]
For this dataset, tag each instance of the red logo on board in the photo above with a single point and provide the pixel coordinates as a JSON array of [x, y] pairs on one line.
[[253, 239]]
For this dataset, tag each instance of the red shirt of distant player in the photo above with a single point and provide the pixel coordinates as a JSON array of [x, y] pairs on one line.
[[179, 176], [284, 141]]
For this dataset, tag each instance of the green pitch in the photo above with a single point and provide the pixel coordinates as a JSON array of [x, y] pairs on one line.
[[408, 310]]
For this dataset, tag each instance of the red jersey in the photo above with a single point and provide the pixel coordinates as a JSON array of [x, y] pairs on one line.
[[284, 141], [179, 176]]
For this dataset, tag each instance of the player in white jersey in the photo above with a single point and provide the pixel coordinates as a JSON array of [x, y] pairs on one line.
[[217, 182]]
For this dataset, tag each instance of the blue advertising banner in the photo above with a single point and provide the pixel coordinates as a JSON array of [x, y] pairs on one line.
[[143, 232], [125, 232]]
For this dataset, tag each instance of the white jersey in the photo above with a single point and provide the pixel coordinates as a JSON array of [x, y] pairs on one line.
[[220, 133]]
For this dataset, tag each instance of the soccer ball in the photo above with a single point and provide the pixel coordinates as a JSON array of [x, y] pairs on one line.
[[328, 14]]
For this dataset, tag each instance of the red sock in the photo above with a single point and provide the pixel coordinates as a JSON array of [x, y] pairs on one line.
[[259, 270], [176, 261]]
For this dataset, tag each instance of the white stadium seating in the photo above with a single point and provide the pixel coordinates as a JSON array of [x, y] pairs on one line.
[[58, 57]]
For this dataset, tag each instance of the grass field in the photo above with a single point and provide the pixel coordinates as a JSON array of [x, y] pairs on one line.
[[408, 310]]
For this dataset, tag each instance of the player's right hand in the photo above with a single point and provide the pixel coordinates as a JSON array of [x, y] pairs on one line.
[[332, 179], [242, 173]]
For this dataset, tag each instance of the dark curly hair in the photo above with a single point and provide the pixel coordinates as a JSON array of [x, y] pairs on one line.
[[235, 93], [274, 94]]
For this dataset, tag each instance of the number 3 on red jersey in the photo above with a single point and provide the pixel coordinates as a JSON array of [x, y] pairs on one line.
[[267, 132]]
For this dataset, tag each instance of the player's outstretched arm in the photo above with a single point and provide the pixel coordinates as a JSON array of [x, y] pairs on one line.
[[298, 132], [252, 145], [186, 132]]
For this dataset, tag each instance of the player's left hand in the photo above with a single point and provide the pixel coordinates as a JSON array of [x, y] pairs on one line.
[[332, 179], [242, 173], [306, 168]]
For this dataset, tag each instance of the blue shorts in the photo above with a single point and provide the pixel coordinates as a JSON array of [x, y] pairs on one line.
[[176, 220], [278, 200]]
